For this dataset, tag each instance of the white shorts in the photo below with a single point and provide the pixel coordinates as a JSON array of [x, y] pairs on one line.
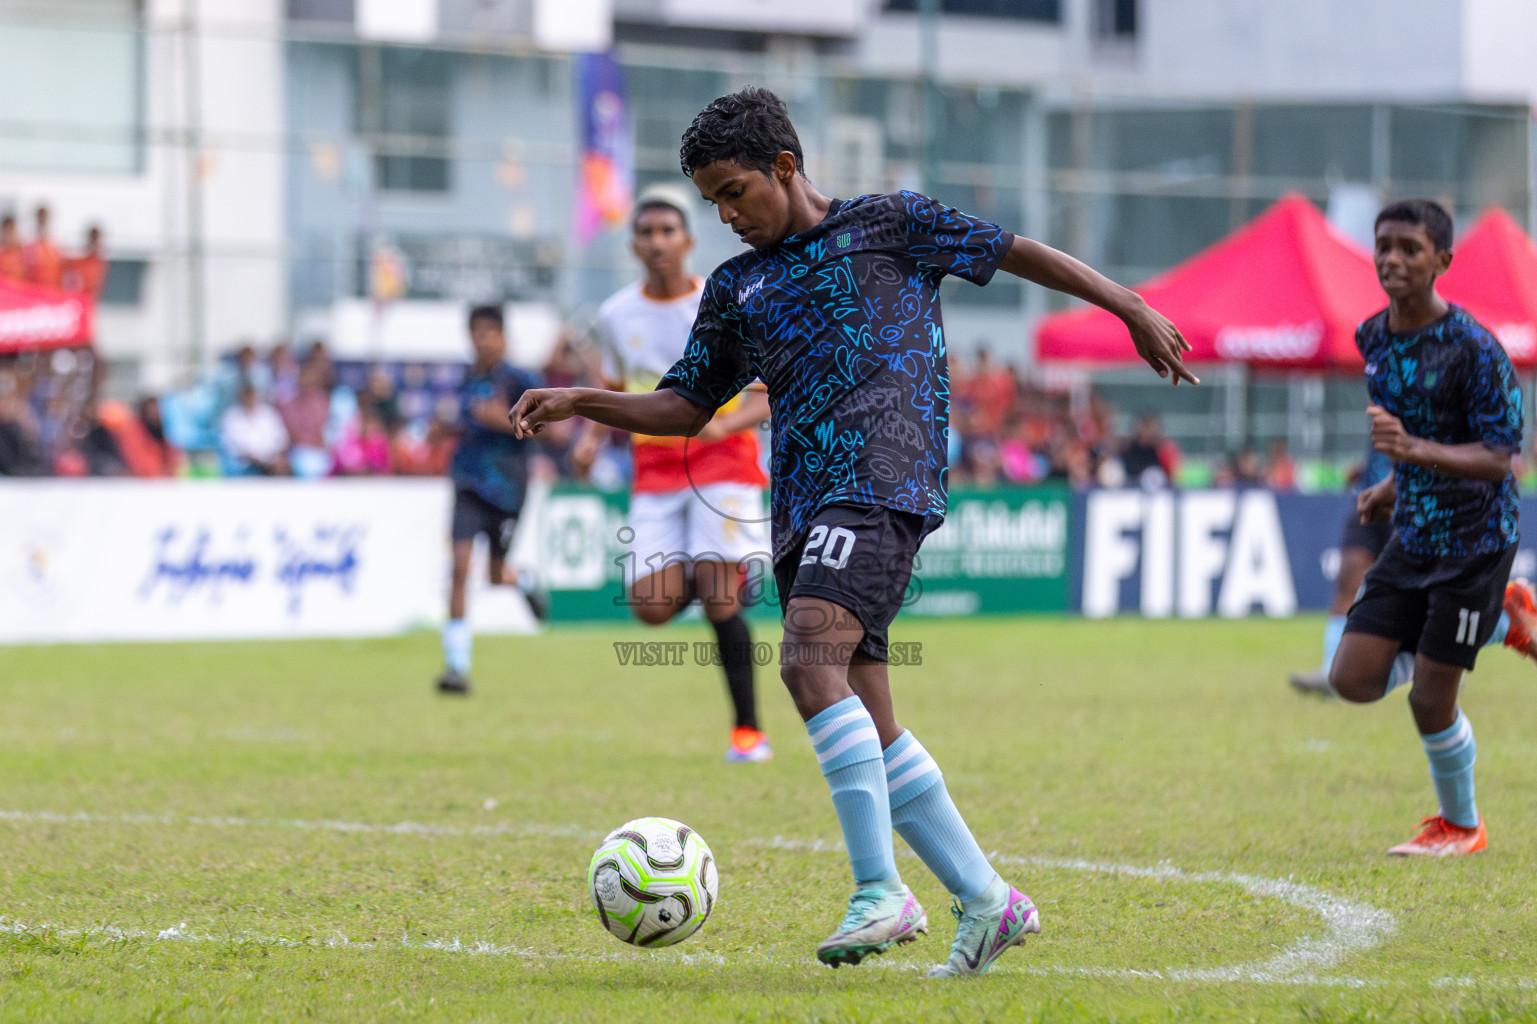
[[715, 523]]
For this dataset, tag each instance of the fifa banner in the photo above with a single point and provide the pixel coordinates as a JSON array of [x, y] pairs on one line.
[[170, 560], [1229, 553], [998, 551]]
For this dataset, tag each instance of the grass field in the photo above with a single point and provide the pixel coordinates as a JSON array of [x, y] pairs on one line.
[[305, 831]]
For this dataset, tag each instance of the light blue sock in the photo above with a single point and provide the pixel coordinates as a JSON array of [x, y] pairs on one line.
[[458, 641], [849, 751], [1401, 673], [925, 816], [1451, 753], [1501, 628], [1334, 632]]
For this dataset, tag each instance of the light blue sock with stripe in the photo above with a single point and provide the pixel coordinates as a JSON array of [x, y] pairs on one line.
[[925, 816], [1402, 672], [1334, 632], [1451, 753], [849, 751], [458, 641]]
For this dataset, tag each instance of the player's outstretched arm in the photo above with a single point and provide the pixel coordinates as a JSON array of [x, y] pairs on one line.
[[1157, 340], [662, 412], [1473, 461]]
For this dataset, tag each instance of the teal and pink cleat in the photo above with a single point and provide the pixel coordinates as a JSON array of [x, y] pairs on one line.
[[877, 920], [982, 937]]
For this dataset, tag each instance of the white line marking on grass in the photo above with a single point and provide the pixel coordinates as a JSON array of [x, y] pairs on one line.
[[1349, 926], [411, 828], [181, 933]]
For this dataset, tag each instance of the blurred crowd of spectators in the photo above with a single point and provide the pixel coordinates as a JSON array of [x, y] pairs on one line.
[[1007, 429], [281, 413], [37, 260], [276, 413]]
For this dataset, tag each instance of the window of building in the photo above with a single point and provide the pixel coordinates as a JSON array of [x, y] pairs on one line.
[[321, 10], [71, 86], [124, 285], [404, 109], [1115, 19], [1022, 10]]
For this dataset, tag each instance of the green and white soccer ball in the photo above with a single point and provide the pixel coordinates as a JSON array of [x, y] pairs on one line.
[[653, 881]]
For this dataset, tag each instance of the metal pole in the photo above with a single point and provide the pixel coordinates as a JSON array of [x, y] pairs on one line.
[[196, 284], [933, 112]]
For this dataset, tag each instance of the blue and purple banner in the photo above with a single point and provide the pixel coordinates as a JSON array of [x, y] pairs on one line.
[[607, 166]]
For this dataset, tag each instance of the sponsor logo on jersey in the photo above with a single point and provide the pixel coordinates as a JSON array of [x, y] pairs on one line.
[[749, 289]]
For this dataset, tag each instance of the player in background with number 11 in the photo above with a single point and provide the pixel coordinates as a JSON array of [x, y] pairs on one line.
[[1446, 409], [836, 310]]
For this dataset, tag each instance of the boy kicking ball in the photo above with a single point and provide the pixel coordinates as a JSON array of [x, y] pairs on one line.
[[1446, 409], [836, 310]]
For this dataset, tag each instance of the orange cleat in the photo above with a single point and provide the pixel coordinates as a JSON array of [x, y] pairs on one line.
[[1440, 838], [748, 745], [1521, 607]]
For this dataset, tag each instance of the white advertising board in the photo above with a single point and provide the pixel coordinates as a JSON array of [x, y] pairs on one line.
[[229, 559]]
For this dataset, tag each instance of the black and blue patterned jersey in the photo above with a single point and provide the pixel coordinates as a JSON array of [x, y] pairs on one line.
[[842, 323], [1378, 468], [488, 462], [1450, 382]]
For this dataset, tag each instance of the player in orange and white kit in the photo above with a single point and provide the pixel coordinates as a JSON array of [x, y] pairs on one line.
[[696, 504]]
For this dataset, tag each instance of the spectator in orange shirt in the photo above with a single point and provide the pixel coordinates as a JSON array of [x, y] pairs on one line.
[[991, 391], [140, 437], [44, 264], [1281, 473], [88, 271], [13, 265]]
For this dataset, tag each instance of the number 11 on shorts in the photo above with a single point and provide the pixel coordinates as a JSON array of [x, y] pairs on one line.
[[1467, 627]]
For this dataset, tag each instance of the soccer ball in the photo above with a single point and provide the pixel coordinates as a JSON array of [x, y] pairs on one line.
[[653, 881]]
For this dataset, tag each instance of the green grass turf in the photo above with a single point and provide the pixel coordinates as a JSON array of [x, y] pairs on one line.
[[1122, 742]]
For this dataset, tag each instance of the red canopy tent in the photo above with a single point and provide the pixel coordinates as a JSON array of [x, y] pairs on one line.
[[33, 317], [1494, 276], [1285, 290]]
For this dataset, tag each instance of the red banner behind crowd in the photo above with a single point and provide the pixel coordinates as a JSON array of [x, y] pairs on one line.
[[33, 317]]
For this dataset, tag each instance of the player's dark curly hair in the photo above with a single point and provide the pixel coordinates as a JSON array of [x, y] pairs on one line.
[[751, 127], [1425, 213]]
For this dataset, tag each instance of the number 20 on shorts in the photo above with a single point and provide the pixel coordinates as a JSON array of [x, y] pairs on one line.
[[835, 544]]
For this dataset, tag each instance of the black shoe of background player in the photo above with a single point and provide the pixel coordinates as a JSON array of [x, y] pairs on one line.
[[454, 683], [538, 603]]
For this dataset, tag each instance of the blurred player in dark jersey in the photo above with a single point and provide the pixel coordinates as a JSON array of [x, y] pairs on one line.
[[836, 310], [490, 475], [1446, 409]]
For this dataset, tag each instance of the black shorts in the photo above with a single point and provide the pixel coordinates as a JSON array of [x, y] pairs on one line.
[[1444, 608], [859, 557], [1371, 536], [475, 515]]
